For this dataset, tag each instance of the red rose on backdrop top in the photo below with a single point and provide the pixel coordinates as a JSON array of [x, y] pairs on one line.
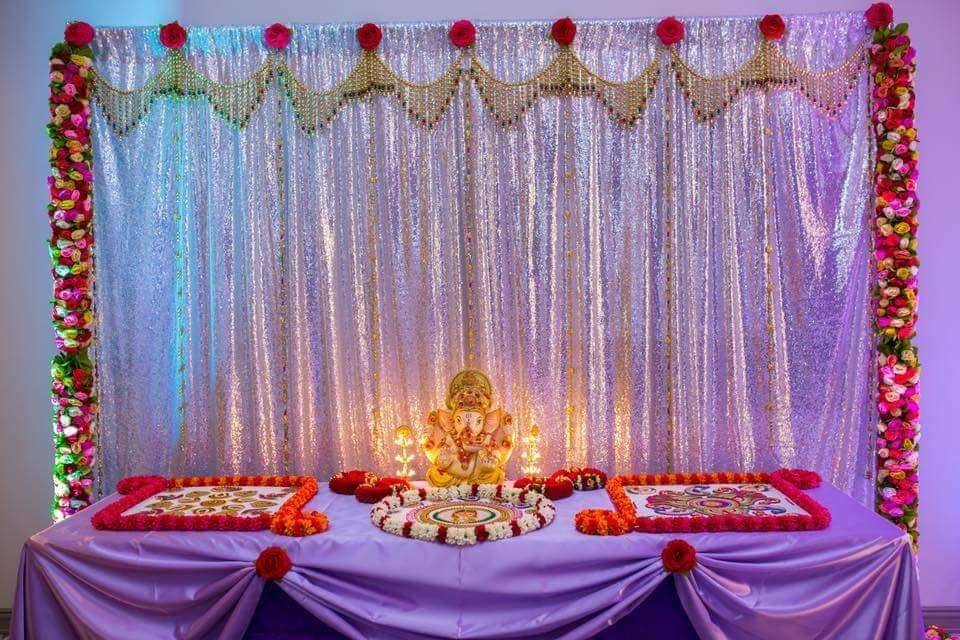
[[273, 563], [369, 36], [879, 15], [463, 33], [679, 556], [670, 31], [772, 27], [277, 36], [78, 34], [173, 36], [563, 32]]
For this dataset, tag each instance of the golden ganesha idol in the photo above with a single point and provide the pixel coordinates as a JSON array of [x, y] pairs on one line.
[[468, 442]]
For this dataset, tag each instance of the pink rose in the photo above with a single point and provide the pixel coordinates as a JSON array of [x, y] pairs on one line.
[[277, 36]]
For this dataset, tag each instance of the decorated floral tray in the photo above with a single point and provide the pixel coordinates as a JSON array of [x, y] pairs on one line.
[[722, 501], [463, 515], [221, 503]]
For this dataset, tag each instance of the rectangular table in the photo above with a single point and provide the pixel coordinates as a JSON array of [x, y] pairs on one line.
[[855, 579]]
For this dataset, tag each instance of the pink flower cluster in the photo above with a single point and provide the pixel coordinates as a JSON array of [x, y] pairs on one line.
[[71, 221], [895, 253], [933, 632]]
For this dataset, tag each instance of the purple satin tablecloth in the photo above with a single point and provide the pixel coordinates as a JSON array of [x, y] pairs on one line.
[[856, 579]]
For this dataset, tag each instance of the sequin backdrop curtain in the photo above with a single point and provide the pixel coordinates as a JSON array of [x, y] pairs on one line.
[[267, 303]]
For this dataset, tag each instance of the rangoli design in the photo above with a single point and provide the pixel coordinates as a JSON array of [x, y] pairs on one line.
[[725, 501], [464, 513], [239, 501], [219, 503], [716, 500]]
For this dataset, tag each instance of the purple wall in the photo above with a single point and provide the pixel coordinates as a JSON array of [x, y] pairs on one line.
[[28, 28]]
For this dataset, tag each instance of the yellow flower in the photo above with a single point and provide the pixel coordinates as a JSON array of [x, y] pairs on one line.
[[902, 228], [903, 273]]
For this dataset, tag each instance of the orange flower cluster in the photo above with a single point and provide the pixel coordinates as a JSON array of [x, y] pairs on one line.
[[601, 522]]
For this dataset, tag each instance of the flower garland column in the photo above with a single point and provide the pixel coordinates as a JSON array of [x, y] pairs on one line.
[[892, 68], [71, 247]]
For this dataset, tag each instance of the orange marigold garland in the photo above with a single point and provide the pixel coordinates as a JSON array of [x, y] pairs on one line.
[[289, 520]]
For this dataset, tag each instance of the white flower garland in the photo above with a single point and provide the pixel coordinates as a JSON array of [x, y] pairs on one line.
[[388, 516]]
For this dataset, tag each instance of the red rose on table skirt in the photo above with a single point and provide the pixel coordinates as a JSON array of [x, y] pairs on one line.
[[563, 31], [772, 26], [369, 36], [670, 31], [679, 556], [879, 15], [173, 36], [463, 33], [277, 36], [78, 34], [272, 563]]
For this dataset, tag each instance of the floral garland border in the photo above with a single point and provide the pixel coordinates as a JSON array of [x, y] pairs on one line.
[[71, 254], [288, 520], [564, 75], [893, 67], [384, 514], [624, 519]]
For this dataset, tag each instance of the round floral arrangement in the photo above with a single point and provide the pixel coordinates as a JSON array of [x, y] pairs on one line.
[[463, 515]]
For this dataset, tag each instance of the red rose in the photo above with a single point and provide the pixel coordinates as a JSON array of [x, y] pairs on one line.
[[563, 31], [879, 15], [370, 494], [272, 563], [277, 36], [173, 36], [78, 34], [679, 556], [670, 31], [346, 482], [772, 27], [463, 33], [558, 488], [369, 36]]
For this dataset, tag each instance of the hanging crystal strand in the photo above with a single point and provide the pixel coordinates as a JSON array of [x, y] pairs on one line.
[[280, 163], [668, 260], [575, 427], [470, 222], [179, 275], [379, 446], [767, 186]]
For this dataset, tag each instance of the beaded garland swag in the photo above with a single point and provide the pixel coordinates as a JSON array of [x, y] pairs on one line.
[[74, 81], [565, 75]]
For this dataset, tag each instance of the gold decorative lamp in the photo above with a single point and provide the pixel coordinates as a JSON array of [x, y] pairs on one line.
[[403, 439], [530, 458]]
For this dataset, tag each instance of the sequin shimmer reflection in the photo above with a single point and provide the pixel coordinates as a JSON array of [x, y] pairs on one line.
[[357, 342]]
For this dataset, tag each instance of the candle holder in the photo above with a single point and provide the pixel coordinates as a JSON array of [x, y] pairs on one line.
[[404, 439], [530, 457]]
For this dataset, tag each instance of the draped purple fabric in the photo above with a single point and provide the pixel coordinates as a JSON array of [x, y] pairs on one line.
[[855, 579]]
